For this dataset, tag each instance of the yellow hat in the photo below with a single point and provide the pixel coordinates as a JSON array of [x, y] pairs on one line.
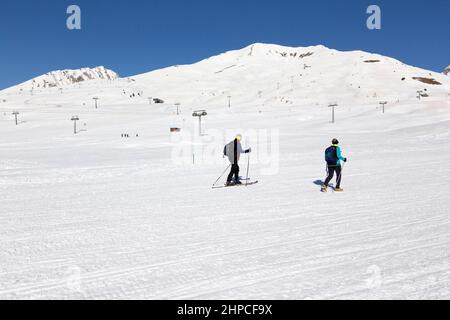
[[239, 137]]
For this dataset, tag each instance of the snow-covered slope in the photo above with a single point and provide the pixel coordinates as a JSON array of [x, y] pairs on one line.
[[63, 78], [269, 75], [276, 75], [99, 216]]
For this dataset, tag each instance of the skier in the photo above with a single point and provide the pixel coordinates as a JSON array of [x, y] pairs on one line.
[[233, 151], [333, 158]]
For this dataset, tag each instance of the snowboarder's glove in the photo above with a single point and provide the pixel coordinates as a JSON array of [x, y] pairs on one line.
[[249, 150], [345, 160]]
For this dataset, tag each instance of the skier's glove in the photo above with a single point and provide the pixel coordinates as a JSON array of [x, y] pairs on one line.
[[249, 150], [345, 160]]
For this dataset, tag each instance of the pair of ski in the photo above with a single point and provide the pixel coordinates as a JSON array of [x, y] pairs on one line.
[[244, 184]]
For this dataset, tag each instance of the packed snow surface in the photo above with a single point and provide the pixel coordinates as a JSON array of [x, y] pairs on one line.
[[99, 216]]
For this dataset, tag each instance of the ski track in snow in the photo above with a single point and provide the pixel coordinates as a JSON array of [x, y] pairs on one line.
[[126, 239], [94, 216]]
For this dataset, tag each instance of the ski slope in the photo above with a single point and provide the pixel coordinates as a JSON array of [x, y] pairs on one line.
[[98, 216]]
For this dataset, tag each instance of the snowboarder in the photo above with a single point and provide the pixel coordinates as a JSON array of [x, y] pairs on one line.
[[333, 158], [233, 151]]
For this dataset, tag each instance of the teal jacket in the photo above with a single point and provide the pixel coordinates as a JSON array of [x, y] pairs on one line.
[[339, 155]]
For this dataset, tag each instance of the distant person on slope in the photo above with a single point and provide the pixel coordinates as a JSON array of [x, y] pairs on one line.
[[233, 151], [333, 158]]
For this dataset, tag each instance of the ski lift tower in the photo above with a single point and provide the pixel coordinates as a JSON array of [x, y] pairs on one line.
[[200, 114], [96, 101], [16, 113], [178, 108], [332, 106], [383, 103], [75, 119], [229, 102]]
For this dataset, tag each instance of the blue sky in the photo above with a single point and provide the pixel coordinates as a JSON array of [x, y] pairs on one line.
[[137, 36]]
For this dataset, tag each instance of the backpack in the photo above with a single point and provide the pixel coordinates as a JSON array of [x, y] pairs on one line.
[[331, 156]]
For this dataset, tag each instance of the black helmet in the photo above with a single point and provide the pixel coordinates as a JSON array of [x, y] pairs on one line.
[[335, 141]]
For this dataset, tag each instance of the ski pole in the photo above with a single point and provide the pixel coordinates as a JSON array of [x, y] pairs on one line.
[[342, 170], [248, 169], [222, 175]]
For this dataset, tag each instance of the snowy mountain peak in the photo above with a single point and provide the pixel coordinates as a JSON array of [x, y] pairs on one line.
[[62, 78], [275, 75], [262, 49], [274, 50]]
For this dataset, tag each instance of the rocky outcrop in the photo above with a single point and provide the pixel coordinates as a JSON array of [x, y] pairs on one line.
[[62, 78]]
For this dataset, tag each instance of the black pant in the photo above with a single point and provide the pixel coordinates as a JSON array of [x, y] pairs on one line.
[[234, 172], [331, 170]]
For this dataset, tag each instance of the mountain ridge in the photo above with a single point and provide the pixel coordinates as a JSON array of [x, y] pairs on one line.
[[273, 74], [265, 74], [61, 78]]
